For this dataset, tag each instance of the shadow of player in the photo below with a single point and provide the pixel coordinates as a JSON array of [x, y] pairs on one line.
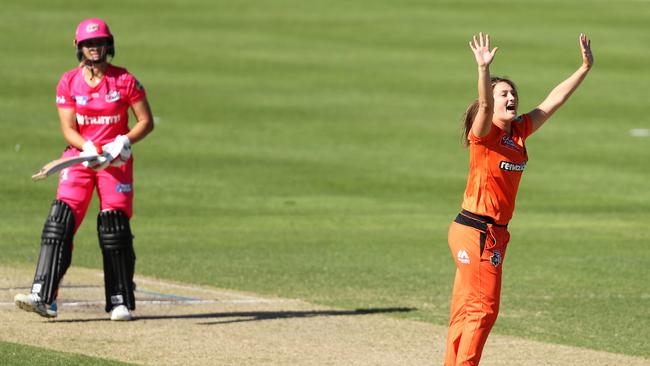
[[248, 316]]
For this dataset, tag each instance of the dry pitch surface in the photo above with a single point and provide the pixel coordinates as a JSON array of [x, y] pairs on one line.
[[184, 324]]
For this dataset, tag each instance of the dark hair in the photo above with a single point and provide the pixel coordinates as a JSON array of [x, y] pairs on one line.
[[472, 109]]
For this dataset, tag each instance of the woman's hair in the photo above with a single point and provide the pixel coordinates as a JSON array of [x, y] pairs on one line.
[[472, 109]]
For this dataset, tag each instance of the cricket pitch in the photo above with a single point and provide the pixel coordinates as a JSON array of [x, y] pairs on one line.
[[185, 324]]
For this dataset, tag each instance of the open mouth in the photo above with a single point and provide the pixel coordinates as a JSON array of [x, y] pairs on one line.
[[511, 107]]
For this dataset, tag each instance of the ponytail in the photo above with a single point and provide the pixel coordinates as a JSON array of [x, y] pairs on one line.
[[468, 121]]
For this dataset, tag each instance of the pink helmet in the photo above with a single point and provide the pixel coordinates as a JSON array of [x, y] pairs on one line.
[[92, 28]]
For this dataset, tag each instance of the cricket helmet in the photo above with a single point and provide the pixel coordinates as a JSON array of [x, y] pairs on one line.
[[90, 29]]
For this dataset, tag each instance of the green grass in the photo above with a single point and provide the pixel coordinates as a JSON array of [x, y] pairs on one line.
[[310, 150], [12, 354]]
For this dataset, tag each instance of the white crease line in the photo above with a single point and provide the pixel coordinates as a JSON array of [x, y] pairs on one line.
[[146, 291], [237, 297], [163, 302], [192, 288]]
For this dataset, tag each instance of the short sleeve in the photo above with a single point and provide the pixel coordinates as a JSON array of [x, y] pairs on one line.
[[135, 91], [64, 98], [524, 125], [473, 139]]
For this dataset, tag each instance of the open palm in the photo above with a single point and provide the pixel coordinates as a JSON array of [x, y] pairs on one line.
[[585, 47], [481, 49]]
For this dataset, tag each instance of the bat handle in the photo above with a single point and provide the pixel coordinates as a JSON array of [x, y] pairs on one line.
[[39, 176]]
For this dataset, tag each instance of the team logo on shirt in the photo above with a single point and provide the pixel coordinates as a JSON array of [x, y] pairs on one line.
[[60, 99], [495, 259], [112, 96], [123, 188], [81, 99], [97, 120], [512, 167], [509, 143], [64, 174]]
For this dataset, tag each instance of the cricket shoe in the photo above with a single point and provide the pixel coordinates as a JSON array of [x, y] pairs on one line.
[[121, 313], [33, 303]]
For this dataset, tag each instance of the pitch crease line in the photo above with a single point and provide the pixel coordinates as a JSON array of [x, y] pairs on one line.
[[192, 288], [163, 302]]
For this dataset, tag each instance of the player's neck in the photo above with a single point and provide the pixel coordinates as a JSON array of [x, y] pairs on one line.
[[503, 125], [94, 73]]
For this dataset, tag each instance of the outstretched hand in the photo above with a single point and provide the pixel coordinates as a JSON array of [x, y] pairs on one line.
[[481, 49], [585, 47]]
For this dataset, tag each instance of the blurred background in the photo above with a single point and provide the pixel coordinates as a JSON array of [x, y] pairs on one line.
[[311, 149]]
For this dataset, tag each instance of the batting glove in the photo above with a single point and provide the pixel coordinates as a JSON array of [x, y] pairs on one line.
[[119, 151], [92, 149]]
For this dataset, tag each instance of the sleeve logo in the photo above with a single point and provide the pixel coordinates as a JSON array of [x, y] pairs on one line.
[[81, 99]]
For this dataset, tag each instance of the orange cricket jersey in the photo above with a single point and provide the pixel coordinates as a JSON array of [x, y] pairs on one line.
[[496, 162]]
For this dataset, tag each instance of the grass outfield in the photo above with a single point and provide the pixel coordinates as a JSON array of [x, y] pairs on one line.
[[12, 354], [311, 150]]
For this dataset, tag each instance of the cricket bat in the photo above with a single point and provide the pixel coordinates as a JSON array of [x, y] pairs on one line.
[[60, 164]]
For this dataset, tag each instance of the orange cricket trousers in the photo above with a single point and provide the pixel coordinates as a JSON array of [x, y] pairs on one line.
[[478, 247]]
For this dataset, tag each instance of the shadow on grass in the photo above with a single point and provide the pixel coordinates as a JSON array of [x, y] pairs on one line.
[[248, 316]]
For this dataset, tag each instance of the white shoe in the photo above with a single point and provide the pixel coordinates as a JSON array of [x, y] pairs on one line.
[[33, 303], [121, 313]]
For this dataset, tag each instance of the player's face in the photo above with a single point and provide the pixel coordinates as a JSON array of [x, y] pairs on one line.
[[94, 49], [505, 102]]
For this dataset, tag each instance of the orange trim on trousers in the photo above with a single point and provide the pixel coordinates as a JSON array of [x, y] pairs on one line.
[[478, 248]]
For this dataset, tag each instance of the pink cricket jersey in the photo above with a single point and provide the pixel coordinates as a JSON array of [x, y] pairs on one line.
[[102, 111]]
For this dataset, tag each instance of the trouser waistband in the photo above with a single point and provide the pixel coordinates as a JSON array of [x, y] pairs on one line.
[[476, 221]]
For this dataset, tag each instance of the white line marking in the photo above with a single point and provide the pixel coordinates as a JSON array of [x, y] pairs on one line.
[[172, 302], [164, 296], [193, 288], [172, 299]]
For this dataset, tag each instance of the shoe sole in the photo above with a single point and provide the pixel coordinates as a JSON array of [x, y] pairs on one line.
[[122, 318], [28, 306]]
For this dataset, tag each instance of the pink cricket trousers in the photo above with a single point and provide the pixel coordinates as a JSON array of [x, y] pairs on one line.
[[114, 187]]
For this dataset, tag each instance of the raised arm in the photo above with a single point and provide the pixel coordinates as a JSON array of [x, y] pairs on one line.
[[563, 91], [481, 49]]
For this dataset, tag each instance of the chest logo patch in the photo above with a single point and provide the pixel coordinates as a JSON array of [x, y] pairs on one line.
[[509, 143], [112, 96]]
